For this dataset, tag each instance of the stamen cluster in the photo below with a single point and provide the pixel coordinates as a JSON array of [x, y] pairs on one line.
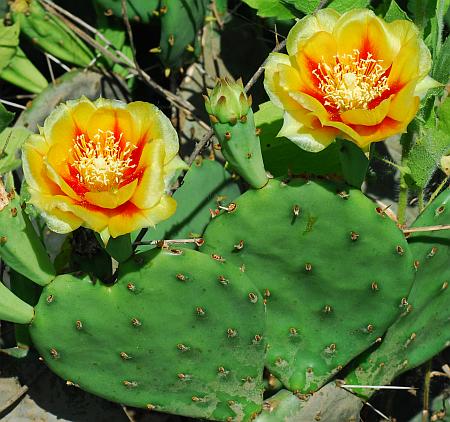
[[101, 162], [353, 82]]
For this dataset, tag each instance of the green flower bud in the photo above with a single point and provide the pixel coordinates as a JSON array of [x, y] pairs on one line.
[[227, 102]]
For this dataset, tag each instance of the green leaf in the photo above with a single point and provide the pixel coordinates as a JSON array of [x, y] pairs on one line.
[[354, 163], [422, 11], [442, 63], [206, 184], [20, 71], [343, 6], [395, 12], [270, 8], [6, 117], [281, 156], [442, 7], [16, 352], [11, 140], [432, 144], [119, 248], [9, 40]]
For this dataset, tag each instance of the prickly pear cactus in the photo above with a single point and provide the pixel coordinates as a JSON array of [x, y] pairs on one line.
[[137, 10], [232, 119], [423, 329], [20, 247], [178, 332], [335, 272], [50, 33], [180, 23]]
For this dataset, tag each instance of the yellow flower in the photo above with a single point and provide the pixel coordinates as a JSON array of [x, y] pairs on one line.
[[104, 165], [351, 75]]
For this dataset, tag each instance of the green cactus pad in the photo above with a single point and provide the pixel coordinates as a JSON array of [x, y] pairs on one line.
[[137, 10], [332, 267], [179, 332], [423, 330], [50, 33], [20, 246], [180, 43]]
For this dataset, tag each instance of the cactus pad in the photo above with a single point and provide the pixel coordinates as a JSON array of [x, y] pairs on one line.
[[424, 328], [179, 332], [333, 268]]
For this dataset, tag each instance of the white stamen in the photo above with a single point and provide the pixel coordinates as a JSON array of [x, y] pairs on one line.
[[101, 162], [353, 82]]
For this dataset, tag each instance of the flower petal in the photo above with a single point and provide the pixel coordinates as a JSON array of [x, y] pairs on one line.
[[59, 127], [112, 199], [117, 120], [321, 48], [151, 184], [367, 117], [93, 217], [401, 102], [171, 169], [61, 221], [307, 138], [361, 30], [406, 65], [323, 20], [130, 218], [275, 91], [154, 124], [34, 167], [81, 111]]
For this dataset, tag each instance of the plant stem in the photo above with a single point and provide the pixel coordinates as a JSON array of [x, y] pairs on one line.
[[420, 197], [406, 142], [426, 392]]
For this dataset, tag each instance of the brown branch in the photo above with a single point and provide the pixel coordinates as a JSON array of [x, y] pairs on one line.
[[119, 58], [426, 229]]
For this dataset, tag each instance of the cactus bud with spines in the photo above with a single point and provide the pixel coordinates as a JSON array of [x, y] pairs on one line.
[[231, 116], [227, 101]]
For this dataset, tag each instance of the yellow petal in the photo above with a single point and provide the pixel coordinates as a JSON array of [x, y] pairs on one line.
[[59, 127], [81, 111], [112, 199], [312, 104], [406, 65], [171, 169], [154, 124], [313, 139], [323, 20], [132, 218], [364, 135], [361, 30], [321, 48], [93, 217], [276, 93], [117, 120], [404, 31], [34, 168], [151, 184], [401, 102], [61, 221], [367, 117]]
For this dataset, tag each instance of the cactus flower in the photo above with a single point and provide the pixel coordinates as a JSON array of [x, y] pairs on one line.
[[352, 75], [104, 165], [227, 102]]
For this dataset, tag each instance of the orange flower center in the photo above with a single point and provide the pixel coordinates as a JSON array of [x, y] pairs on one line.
[[353, 82], [101, 162]]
